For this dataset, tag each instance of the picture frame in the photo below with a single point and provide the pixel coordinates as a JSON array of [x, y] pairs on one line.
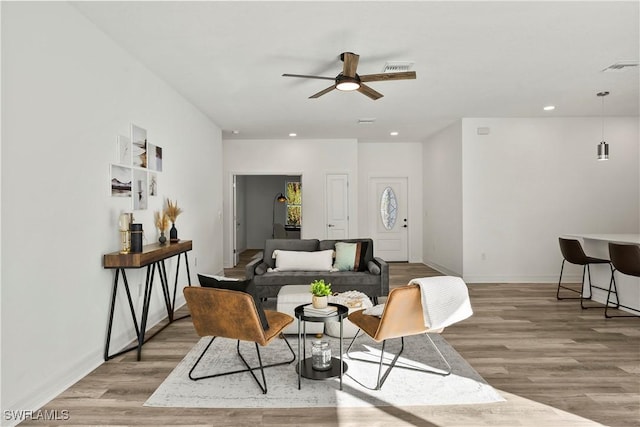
[[120, 181], [138, 146], [153, 184], [124, 150], [154, 157], [140, 189]]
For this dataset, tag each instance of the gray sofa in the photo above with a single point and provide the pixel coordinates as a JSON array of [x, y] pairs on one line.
[[374, 282]]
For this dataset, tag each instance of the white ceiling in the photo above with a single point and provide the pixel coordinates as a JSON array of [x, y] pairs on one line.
[[472, 59]]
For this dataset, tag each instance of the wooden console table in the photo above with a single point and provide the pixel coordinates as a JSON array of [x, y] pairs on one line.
[[152, 257]]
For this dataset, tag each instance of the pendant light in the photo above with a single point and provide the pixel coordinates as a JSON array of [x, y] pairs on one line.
[[603, 147]]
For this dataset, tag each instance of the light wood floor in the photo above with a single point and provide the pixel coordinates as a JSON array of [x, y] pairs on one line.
[[556, 365]]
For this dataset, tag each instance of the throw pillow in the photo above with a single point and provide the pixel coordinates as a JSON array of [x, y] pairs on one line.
[[246, 286], [373, 268], [303, 261], [350, 256], [361, 264], [345, 256], [261, 268]]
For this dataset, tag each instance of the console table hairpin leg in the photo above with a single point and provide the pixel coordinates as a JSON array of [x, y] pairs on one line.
[[175, 286], [169, 302]]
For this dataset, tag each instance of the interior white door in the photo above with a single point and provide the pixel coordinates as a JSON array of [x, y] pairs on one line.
[[337, 197], [388, 222]]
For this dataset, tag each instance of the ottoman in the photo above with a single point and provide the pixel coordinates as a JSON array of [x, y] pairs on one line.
[[354, 301], [289, 298]]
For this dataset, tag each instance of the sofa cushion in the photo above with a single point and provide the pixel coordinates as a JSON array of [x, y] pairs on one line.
[[331, 244], [350, 256], [246, 286], [336, 278], [303, 261], [307, 245]]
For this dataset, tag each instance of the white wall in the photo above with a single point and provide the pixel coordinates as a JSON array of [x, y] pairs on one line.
[[442, 200], [393, 159], [312, 159], [531, 180], [67, 92]]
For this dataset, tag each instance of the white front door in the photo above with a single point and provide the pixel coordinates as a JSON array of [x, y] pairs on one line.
[[337, 197], [388, 222]]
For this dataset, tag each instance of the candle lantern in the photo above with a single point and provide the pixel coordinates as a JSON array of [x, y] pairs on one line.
[[125, 233]]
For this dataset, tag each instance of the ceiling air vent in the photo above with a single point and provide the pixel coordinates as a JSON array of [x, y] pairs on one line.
[[368, 121], [397, 67], [621, 66]]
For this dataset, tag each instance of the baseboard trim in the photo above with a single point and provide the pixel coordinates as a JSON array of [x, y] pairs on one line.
[[478, 278], [441, 269]]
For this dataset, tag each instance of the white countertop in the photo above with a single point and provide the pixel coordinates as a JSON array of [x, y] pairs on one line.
[[610, 237]]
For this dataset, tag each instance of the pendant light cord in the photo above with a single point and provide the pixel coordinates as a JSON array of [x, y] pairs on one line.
[[602, 118], [602, 95]]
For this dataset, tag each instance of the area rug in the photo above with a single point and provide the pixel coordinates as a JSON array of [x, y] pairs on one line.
[[403, 387]]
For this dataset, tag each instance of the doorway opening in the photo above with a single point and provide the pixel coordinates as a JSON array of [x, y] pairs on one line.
[[265, 207]]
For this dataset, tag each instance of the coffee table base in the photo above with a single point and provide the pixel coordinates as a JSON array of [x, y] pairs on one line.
[[310, 373]]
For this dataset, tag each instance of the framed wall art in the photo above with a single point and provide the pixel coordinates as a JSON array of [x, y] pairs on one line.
[[138, 146], [140, 189], [124, 150], [120, 181], [153, 184], [154, 157]]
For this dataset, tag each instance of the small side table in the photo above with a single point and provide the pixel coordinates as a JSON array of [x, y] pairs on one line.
[[305, 369]]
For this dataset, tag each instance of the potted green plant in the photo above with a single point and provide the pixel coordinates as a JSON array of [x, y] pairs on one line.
[[320, 291]]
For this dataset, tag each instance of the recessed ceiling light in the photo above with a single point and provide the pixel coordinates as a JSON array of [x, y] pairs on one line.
[[235, 131], [394, 133], [549, 108], [293, 134]]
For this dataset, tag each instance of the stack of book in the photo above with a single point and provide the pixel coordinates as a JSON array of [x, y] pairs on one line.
[[309, 310]]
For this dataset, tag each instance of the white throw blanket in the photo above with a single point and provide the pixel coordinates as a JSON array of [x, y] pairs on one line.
[[445, 300]]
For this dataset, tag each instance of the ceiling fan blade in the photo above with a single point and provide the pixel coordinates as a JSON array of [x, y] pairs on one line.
[[388, 76], [366, 90], [350, 64], [308, 77], [322, 92]]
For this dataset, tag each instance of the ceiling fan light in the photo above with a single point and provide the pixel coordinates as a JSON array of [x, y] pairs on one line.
[[347, 86], [346, 83], [603, 151]]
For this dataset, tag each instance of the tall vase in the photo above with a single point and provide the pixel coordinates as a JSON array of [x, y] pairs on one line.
[[173, 233]]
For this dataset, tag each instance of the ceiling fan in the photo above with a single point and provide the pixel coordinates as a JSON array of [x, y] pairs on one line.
[[349, 80]]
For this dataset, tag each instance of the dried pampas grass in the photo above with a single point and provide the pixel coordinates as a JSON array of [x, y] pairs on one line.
[[162, 220], [172, 211]]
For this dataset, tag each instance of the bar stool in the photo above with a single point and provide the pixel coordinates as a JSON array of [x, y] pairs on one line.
[[626, 260], [572, 252]]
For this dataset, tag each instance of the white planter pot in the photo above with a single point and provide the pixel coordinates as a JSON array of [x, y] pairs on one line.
[[319, 302]]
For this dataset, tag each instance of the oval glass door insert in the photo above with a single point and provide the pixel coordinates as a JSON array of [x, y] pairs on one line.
[[388, 208]]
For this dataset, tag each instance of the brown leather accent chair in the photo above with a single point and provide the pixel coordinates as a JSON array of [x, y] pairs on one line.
[[626, 260], [233, 314], [573, 253], [402, 316]]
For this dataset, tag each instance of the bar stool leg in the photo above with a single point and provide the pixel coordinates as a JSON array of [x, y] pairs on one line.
[[564, 287]]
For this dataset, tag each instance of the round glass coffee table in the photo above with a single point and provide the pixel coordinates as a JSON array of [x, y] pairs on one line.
[[305, 367]]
